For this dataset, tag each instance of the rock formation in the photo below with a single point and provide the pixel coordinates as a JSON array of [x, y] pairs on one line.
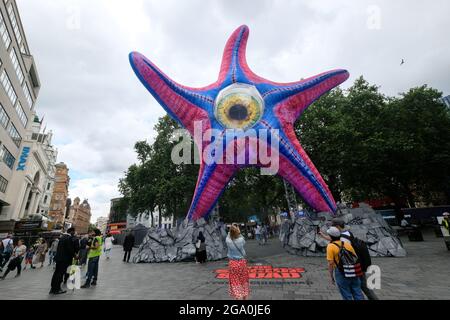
[[301, 238], [176, 245]]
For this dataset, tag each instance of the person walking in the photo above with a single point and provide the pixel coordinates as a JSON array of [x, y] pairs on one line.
[[361, 251], [108, 245], [264, 234], [95, 251], [258, 234], [200, 248], [84, 248], [67, 251], [128, 244], [41, 251], [8, 247], [347, 279], [239, 287], [16, 259], [29, 257], [52, 251]]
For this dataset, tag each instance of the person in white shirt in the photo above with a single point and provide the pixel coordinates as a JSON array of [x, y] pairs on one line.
[[258, 234], [108, 245], [16, 259], [7, 246]]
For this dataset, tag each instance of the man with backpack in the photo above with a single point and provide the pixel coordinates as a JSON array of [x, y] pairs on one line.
[[343, 266], [361, 251]]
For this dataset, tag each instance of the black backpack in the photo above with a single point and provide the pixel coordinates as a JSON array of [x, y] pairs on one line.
[[361, 250], [348, 264]]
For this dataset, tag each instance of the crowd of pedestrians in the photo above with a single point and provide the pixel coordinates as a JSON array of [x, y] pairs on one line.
[[63, 252]]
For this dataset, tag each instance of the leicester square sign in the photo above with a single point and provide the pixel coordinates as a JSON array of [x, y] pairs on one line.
[[266, 272], [23, 159]]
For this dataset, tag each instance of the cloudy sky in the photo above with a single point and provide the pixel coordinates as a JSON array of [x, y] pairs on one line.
[[98, 109]]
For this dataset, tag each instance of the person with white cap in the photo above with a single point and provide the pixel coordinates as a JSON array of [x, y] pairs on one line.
[[349, 285], [340, 225]]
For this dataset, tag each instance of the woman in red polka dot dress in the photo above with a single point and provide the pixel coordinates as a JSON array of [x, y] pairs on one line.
[[239, 284]]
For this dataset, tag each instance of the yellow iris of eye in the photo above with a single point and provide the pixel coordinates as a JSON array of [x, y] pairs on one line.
[[239, 106]]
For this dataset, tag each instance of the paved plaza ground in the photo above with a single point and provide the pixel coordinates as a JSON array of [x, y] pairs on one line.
[[423, 274]]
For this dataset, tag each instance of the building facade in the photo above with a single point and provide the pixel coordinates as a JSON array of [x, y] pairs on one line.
[[101, 224], [446, 101], [52, 154], [22, 162], [116, 214], [57, 210], [28, 185], [80, 215], [145, 219]]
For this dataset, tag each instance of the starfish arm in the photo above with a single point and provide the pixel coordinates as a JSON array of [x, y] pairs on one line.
[[211, 183], [234, 61], [305, 178], [302, 184], [291, 100], [318, 193], [183, 104]]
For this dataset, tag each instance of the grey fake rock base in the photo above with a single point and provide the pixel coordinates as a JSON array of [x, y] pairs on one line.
[[301, 238], [178, 244]]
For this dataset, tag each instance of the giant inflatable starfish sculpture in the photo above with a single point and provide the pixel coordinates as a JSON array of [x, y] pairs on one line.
[[242, 100]]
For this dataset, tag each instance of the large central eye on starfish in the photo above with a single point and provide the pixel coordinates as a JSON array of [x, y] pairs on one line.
[[239, 106]]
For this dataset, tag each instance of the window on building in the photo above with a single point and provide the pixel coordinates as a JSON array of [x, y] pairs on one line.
[[45, 199], [27, 93], [4, 34], [6, 83], [14, 23], [15, 136], [22, 116], [49, 185], [3, 184], [4, 118], [16, 65], [7, 157]]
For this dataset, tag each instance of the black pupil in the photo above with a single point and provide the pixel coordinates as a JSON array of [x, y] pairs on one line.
[[238, 112]]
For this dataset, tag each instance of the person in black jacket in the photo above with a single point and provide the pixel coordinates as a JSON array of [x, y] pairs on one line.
[[200, 246], [67, 250], [128, 244]]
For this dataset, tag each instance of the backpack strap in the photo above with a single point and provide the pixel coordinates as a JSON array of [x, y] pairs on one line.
[[340, 248]]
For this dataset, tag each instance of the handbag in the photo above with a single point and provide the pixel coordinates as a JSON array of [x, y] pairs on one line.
[[198, 244]]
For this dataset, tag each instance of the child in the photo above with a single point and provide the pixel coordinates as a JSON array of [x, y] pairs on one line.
[[29, 258]]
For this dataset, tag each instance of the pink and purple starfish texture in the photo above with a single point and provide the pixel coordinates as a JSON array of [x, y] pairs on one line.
[[244, 101]]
